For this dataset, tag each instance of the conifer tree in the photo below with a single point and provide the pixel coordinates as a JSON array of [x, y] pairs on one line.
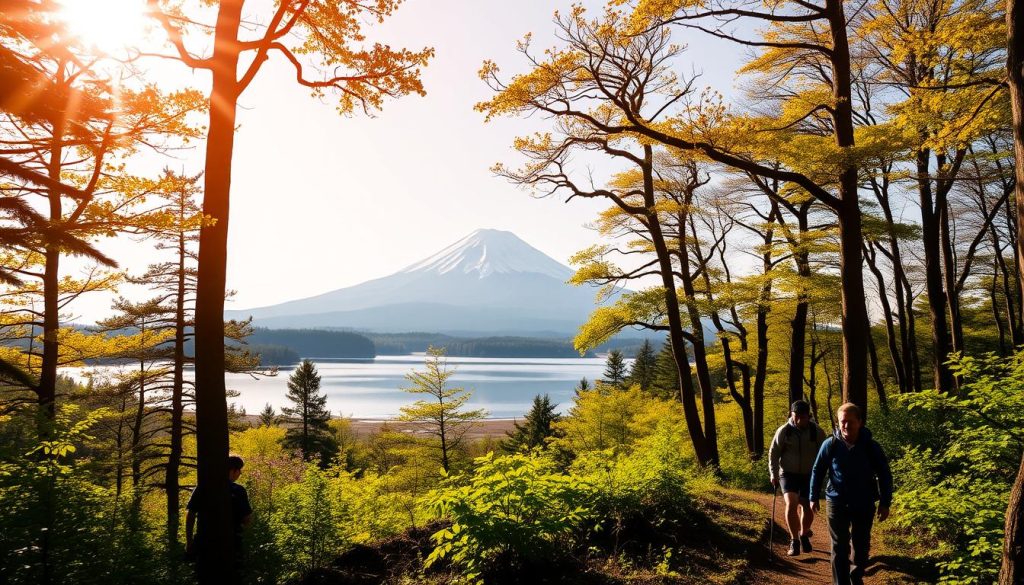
[[268, 418], [615, 369], [442, 415], [666, 374], [644, 363], [309, 432], [536, 427]]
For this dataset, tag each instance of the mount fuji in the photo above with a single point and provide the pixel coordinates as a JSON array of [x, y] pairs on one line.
[[489, 282]]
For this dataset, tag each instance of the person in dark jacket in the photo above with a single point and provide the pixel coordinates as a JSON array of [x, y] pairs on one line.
[[858, 476], [791, 456], [241, 510]]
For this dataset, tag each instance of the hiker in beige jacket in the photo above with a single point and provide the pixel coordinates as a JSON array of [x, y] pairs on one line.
[[790, 460]]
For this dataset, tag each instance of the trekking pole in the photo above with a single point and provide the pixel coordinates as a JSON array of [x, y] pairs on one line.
[[771, 526]]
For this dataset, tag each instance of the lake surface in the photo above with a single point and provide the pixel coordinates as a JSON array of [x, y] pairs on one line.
[[372, 388]]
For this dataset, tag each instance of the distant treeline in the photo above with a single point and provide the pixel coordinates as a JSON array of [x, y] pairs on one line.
[[274, 355], [316, 343], [497, 346], [629, 346], [412, 342], [512, 347], [282, 347]]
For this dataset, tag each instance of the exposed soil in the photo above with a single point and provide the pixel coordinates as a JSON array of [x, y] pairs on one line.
[[815, 568]]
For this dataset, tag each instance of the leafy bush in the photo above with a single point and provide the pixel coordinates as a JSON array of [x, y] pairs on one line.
[[956, 493], [56, 521], [308, 523], [611, 418], [515, 509], [645, 491]]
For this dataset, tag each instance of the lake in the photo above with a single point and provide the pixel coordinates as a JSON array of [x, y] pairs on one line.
[[372, 388]]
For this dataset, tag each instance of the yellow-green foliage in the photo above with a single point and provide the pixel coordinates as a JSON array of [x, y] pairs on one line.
[[513, 505], [651, 478], [377, 508], [269, 467], [308, 522], [954, 488], [610, 418], [49, 494]]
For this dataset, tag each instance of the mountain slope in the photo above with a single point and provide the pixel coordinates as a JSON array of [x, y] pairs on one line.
[[488, 282]]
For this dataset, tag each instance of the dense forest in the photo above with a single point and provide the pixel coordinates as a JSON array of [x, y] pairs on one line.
[[284, 346], [406, 343], [317, 343], [847, 227]]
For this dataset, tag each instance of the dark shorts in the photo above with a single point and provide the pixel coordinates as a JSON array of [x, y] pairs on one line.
[[795, 482]]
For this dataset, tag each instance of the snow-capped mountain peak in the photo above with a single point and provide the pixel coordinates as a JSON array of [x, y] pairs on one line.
[[487, 251]]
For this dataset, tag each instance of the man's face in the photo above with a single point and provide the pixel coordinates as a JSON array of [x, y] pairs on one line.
[[849, 426], [801, 420], [233, 474]]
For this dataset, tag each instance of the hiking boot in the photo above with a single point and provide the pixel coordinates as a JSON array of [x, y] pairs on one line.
[[805, 543], [794, 548]]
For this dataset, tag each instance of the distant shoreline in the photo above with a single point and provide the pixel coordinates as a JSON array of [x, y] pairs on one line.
[[488, 428]]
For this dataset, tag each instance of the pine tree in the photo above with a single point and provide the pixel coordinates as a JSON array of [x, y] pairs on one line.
[[536, 427], [615, 369], [666, 376], [268, 418], [642, 372], [309, 432]]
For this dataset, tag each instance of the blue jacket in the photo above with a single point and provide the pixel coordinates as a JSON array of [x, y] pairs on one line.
[[857, 476]]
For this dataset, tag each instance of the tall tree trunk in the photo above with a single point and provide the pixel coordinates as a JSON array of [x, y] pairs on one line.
[[899, 336], [172, 483], [798, 324], [1015, 316], [1012, 571], [47, 390], [949, 270], [854, 307], [706, 455], [890, 329], [876, 377], [700, 357], [761, 321], [931, 241], [136, 428], [216, 546]]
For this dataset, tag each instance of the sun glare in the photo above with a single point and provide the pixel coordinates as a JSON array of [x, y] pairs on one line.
[[109, 26]]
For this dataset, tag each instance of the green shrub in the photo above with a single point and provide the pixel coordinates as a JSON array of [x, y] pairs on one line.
[[956, 493], [58, 524], [641, 495], [652, 477], [308, 523], [515, 508]]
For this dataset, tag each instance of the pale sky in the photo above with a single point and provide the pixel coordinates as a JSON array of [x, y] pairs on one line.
[[321, 202]]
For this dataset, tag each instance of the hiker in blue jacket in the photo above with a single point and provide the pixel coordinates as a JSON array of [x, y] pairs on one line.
[[858, 476]]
